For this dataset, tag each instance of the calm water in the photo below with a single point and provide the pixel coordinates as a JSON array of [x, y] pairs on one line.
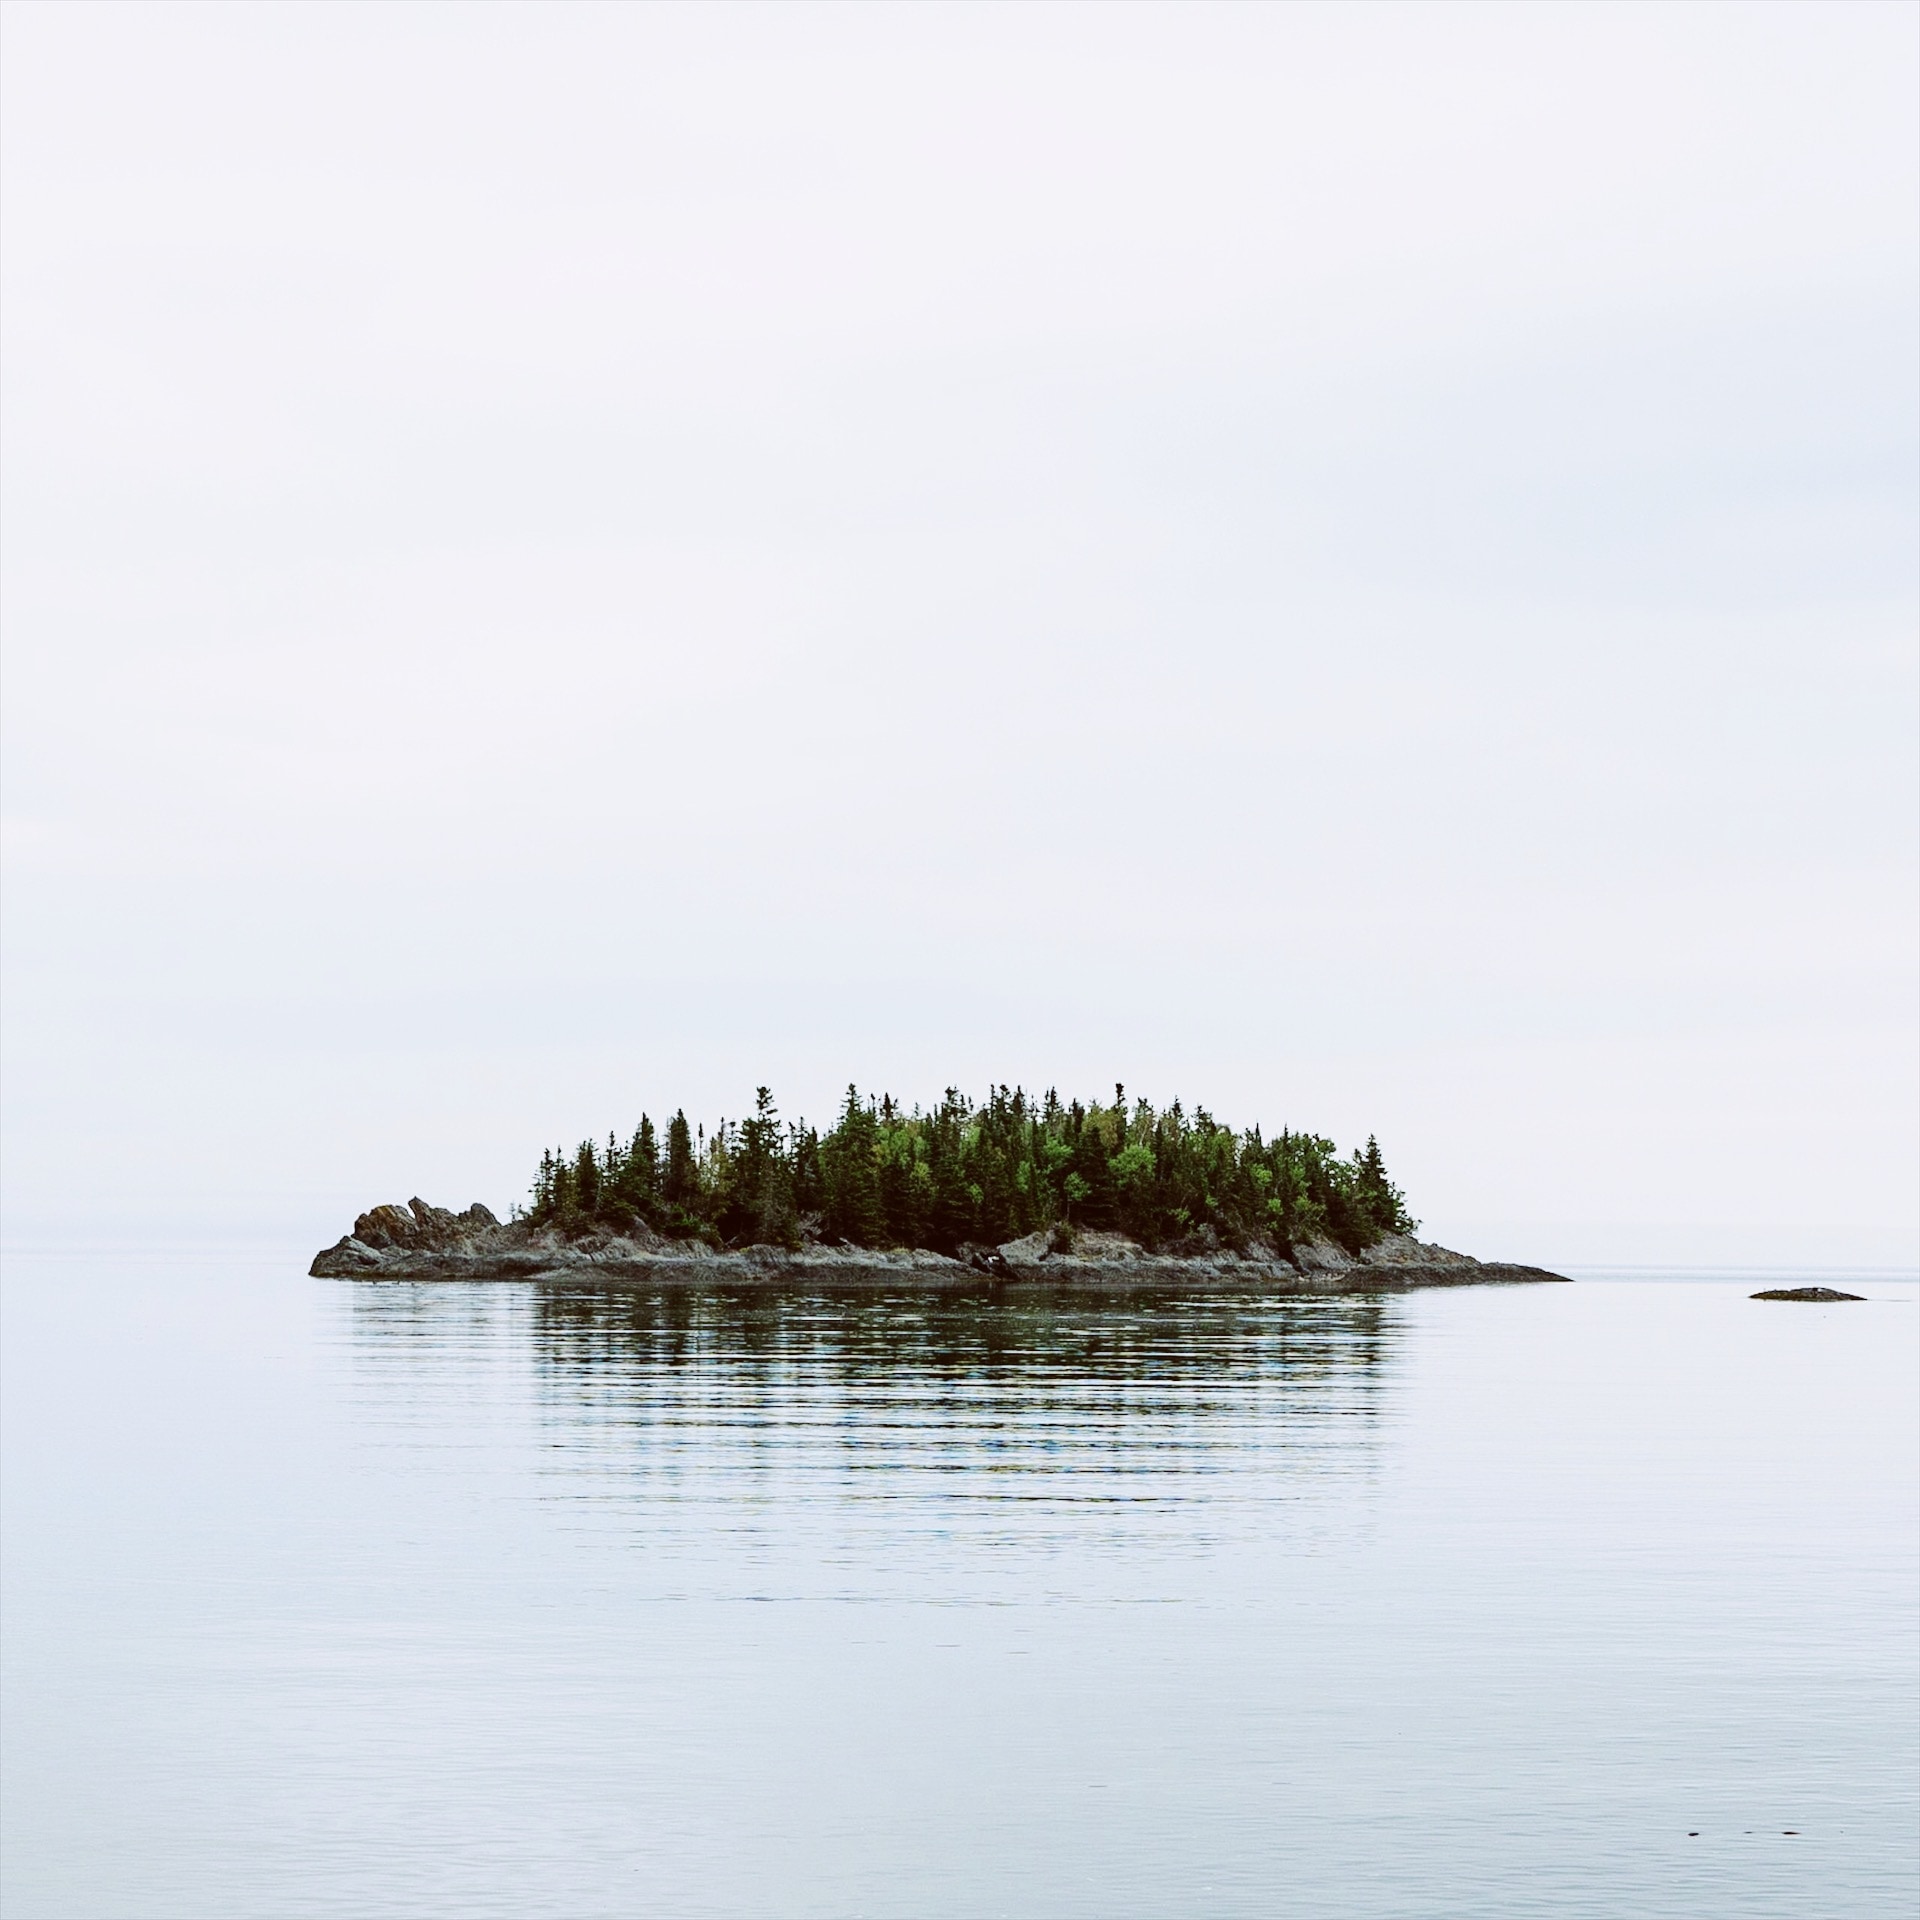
[[338, 1599]]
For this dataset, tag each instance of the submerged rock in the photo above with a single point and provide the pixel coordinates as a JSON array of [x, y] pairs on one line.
[[1805, 1293]]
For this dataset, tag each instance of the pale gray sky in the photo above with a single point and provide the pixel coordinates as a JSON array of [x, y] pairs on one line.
[[1355, 564]]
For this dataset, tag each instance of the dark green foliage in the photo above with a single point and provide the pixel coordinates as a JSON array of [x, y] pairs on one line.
[[639, 1179], [683, 1180], [808, 1176], [586, 1178], [851, 1161], [760, 1207], [963, 1174]]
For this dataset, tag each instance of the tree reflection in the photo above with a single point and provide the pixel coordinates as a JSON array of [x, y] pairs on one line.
[[996, 1415], [1140, 1384]]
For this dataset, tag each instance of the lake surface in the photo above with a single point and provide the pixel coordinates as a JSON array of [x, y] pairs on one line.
[[378, 1599]]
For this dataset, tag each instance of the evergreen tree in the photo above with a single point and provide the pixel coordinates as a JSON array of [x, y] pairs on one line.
[[904, 1189], [682, 1183], [1089, 1172], [959, 1174], [1379, 1199], [853, 1177], [640, 1173], [761, 1203], [949, 1193], [809, 1182], [586, 1179]]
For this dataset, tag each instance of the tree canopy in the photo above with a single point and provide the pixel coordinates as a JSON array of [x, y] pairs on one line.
[[960, 1174]]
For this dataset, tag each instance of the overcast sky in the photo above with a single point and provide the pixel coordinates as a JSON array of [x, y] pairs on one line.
[[1352, 564]]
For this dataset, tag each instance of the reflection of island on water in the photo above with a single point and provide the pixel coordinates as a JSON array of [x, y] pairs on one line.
[[1030, 1341], [1024, 1413], [1134, 1388]]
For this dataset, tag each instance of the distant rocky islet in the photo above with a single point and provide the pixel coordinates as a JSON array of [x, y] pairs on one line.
[[1014, 1188]]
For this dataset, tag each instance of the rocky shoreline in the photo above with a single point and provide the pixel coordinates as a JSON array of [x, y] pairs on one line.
[[422, 1242]]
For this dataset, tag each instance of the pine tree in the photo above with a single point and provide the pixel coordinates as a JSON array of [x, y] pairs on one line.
[[761, 1201], [904, 1190], [1378, 1198], [853, 1177], [809, 1181], [586, 1180], [1091, 1178], [644, 1160], [883, 1176], [949, 1194], [682, 1186]]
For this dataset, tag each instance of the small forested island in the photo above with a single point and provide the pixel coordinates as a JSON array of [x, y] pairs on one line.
[[1011, 1189]]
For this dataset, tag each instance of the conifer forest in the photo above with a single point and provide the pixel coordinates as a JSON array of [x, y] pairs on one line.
[[962, 1174]]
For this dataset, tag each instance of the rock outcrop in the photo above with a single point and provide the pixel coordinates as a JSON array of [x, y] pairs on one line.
[[422, 1242], [1804, 1293]]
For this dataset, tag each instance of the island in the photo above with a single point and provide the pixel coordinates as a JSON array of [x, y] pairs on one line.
[[1012, 1189]]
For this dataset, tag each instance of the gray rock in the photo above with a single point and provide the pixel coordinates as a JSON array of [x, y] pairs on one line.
[[423, 1242], [1322, 1256]]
